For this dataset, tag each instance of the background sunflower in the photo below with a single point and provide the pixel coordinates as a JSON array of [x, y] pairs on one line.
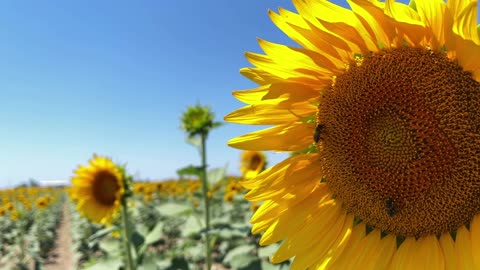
[[98, 189]]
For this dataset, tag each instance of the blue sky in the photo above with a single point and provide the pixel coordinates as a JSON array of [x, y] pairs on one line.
[[113, 77]]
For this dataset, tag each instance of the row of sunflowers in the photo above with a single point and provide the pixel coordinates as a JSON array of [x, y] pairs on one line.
[[165, 227], [161, 225], [29, 217]]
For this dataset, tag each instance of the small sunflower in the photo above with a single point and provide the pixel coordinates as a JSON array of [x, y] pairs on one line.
[[9, 206], [388, 95], [252, 163], [42, 202], [229, 196], [98, 189]]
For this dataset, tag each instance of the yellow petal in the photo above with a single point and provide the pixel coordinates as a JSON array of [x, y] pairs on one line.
[[448, 249], [303, 33], [279, 91], [379, 26], [434, 14], [402, 259], [260, 76], [424, 253], [276, 174], [288, 222], [271, 114], [299, 58], [298, 176], [429, 255], [475, 236], [407, 22], [388, 246], [338, 247], [463, 249], [325, 219], [344, 259], [465, 22], [323, 242], [293, 66], [291, 137], [366, 254], [467, 53]]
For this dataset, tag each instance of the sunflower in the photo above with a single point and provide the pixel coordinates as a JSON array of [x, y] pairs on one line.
[[252, 163], [42, 202], [98, 189], [386, 97]]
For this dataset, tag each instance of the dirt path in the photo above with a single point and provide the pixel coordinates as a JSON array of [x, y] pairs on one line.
[[61, 257]]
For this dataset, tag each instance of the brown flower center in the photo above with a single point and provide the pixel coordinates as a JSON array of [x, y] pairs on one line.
[[105, 187], [401, 141], [255, 162]]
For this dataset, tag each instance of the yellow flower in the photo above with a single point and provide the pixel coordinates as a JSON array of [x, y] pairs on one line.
[[2, 212], [228, 196], [252, 163], [98, 188], [42, 202], [386, 97], [14, 215], [254, 206], [9, 206], [116, 234], [139, 188]]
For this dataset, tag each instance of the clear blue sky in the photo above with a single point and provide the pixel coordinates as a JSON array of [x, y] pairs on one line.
[[113, 77]]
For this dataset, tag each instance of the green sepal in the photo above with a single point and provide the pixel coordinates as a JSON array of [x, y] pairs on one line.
[[413, 5]]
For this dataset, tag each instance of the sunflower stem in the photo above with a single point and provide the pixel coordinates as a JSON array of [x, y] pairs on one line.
[[126, 235], [208, 256]]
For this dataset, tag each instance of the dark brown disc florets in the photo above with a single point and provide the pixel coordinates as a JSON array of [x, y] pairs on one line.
[[402, 150]]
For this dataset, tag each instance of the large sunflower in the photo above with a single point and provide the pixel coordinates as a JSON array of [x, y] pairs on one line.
[[98, 189], [389, 95]]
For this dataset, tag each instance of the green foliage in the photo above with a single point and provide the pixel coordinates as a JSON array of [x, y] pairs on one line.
[[216, 175], [190, 170]]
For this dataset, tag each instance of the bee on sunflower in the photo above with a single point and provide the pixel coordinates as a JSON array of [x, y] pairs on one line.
[[394, 182]]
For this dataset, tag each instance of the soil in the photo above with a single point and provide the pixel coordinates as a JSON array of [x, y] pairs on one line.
[[61, 257]]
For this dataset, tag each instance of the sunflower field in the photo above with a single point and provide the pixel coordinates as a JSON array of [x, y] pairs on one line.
[[165, 228], [378, 107]]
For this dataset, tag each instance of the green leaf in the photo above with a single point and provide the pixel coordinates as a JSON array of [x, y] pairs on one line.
[[231, 234], [268, 266], [192, 226], [195, 141], [101, 233], [268, 250], [179, 263], [189, 170], [245, 262], [137, 239], [215, 175], [109, 263], [164, 264], [155, 235], [238, 251], [111, 247], [151, 262], [195, 253], [141, 228], [173, 209]]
